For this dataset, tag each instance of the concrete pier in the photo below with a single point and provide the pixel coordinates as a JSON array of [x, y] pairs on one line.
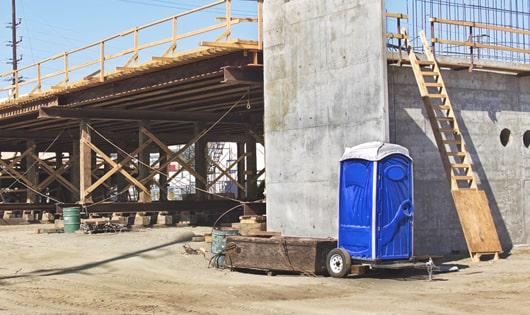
[[325, 89]]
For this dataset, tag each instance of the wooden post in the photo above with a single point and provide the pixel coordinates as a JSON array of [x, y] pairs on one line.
[[141, 218], [66, 69], [229, 18], [260, 24], [31, 173], [102, 61], [58, 165], [174, 35], [75, 170], [136, 40], [39, 78], [121, 182], [433, 43], [85, 163], [252, 186], [162, 181], [144, 160], [201, 164], [241, 170]]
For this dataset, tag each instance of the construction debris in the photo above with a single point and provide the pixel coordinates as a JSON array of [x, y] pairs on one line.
[[252, 224], [49, 230], [106, 227], [191, 251]]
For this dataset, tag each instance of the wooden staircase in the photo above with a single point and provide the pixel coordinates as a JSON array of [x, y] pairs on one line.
[[470, 202]]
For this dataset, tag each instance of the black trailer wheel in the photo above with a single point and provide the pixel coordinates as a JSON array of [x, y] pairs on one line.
[[338, 263]]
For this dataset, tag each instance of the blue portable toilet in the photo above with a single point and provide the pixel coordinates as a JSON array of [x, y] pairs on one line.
[[376, 207]]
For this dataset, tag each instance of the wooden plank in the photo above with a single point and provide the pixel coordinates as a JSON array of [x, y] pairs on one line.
[[396, 15], [85, 163], [479, 45], [477, 222], [232, 45], [481, 25]]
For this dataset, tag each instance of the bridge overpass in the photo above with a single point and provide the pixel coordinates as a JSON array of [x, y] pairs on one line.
[[101, 128]]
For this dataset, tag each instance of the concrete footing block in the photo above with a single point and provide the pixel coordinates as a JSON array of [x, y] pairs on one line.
[[28, 216], [142, 220], [47, 217], [8, 215], [165, 219]]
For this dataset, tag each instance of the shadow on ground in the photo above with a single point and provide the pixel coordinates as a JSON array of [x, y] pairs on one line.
[[88, 266]]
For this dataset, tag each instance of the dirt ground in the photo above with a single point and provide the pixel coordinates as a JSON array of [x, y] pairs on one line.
[[147, 272]]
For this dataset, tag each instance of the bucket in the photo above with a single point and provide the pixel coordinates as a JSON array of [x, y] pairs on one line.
[[219, 244], [72, 219]]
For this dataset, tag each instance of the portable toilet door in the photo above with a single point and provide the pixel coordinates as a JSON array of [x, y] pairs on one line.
[[394, 220], [376, 202]]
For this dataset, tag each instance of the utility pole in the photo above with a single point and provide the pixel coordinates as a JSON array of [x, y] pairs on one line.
[[14, 41]]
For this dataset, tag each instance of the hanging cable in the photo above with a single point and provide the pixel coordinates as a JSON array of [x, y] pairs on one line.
[[201, 135]]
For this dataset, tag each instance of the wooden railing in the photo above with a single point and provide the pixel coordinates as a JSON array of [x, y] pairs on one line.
[[397, 33], [462, 39], [473, 38], [33, 79]]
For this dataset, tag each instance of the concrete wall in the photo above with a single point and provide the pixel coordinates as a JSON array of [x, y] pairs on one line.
[[325, 89], [487, 103]]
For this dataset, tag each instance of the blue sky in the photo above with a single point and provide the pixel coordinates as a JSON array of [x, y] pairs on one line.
[[52, 26]]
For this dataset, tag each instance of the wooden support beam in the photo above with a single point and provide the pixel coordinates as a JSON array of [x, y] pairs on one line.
[[144, 161], [247, 75], [201, 164], [252, 186], [241, 171], [31, 172], [85, 163], [250, 45], [163, 180], [134, 115]]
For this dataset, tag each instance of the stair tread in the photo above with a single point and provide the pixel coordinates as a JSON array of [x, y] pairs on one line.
[[437, 95], [456, 153], [463, 177], [430, 73], [445, 118], [461, 165], [433, 84], [425, 62], [455, 141], [444, 107], [444, 130]]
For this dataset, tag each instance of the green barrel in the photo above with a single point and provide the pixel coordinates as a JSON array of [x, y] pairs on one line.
[[72, 219], [219, 244]]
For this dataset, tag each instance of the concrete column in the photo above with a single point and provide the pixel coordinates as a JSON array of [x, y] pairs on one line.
[[85, 163], [324, 91], [241, 170], [201, 164]]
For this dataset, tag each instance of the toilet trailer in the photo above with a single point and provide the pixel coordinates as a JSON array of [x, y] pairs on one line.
[[376, 209]]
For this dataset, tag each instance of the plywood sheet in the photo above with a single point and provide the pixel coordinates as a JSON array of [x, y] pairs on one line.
[[477, 222]]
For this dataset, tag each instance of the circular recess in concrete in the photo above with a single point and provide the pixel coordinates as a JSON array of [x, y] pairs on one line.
[[526, 139], [506, 136]]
